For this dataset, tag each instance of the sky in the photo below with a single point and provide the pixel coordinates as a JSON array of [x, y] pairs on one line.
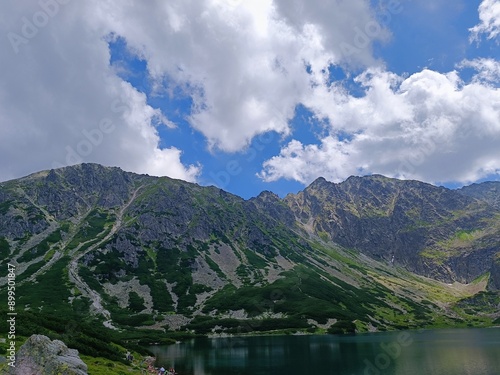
[[253, 95]]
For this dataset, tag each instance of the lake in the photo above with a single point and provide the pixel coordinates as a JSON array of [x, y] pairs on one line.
[[426, 352]]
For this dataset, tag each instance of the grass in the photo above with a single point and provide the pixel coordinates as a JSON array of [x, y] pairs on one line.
[[445, 249], [324, 236], [103, 366], [481, 278]]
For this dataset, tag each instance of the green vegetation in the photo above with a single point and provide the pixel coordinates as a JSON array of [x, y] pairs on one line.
[[254, 259], [136, 302], [171, 225], [4, 248], [30, 271], [50, 293], [89, 338], [103, 366], [124, 318], [301, 294], [324, 236], [445, 249], [90, 279], [92, 228], [175, 266], [205, 325], [42, 248], [341, 327], [480, 303], [5, 206], [215, 267]]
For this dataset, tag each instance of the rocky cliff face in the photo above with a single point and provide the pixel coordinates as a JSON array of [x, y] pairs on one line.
[[429, 230], [486, 191], [41, 356], [494, 282]]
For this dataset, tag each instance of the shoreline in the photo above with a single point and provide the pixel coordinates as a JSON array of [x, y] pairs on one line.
[[302, 333]]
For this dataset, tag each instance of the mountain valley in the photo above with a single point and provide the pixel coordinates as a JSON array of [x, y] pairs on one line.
[[143, 254]]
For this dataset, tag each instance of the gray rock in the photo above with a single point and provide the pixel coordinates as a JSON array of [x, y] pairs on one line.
[[41, 356], [494, 281]]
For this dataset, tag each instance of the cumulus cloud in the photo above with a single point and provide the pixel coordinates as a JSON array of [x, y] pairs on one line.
[[246, 64], [61, 102], [489, 15], [428, 126]]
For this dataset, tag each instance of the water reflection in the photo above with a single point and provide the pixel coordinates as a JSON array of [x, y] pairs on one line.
[[440, 352], [452, 352]]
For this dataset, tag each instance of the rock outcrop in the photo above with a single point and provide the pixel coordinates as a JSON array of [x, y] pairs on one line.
[[41, 356], [494, 281]]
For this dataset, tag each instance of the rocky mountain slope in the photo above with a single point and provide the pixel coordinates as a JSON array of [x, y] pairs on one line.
[[487, 191], [132, 250], [429, 230]]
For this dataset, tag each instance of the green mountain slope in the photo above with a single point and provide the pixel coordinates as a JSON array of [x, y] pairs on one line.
[[140, 252]]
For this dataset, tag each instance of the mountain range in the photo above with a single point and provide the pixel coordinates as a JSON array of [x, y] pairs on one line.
[[137, 252]]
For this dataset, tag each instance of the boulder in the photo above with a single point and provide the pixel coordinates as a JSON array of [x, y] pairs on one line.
[[41, 356]]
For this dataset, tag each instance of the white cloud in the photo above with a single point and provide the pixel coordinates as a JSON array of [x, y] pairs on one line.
[[244, 63], [489, 15], [429, 126], [487, 70], [303, 163], [61, 102]]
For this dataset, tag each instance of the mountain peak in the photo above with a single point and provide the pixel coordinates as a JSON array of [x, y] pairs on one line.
[[320, 182]]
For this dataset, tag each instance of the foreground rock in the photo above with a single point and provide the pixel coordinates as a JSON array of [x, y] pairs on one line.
[[41, 356]]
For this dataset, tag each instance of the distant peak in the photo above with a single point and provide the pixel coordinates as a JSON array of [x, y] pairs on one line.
[[370, 177], [319, 181], [267, 195]]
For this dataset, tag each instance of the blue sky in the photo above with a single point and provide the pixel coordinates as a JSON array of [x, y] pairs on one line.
[[254, 95]]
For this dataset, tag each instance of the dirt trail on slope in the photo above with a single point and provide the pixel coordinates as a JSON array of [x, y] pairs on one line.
[[73, 266]]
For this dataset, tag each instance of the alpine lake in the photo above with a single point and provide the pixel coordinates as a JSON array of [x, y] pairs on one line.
[[424, 352]]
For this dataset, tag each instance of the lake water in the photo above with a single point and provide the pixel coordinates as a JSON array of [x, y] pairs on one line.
[[427, 352]]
